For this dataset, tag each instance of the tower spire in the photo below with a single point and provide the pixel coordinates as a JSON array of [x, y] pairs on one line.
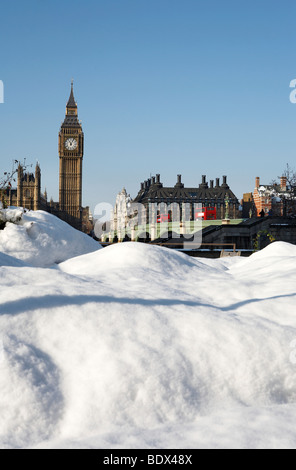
[[71, 118], [71, 101]]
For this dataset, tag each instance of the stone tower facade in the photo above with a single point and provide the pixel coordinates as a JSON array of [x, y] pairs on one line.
[[28, 189], [71, 143], [69, 208]]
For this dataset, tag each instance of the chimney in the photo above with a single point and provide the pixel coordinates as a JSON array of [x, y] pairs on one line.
[[211, 184], [158, 178], [153, 179], [203, 184], [257, 182], [179, 183], [225, 185], [284, 183], [142, 186], [217, 182]]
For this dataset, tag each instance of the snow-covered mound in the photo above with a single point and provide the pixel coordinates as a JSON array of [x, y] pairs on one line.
[[261, 272], [130, 258], [41, 239], [139, 346], [278, 249], [137, 267]]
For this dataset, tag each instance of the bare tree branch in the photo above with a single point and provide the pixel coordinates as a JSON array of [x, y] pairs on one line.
[[8, 178]]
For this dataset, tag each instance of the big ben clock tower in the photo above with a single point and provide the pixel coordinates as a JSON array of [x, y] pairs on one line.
[[71, 154]]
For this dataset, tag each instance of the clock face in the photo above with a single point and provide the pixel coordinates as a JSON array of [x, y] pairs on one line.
[[71, 144]]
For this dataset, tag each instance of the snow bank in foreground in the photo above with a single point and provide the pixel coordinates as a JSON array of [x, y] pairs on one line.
[[140, 346], [41, 239], [132, 259]]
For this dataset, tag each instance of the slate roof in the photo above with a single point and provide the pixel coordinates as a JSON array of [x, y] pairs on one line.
[[71, 121], [155, 191]]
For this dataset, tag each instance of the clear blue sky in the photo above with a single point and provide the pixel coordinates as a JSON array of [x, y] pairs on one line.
[[162, 86]]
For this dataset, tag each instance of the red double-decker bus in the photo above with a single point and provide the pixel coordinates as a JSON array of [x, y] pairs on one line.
[[163, 218], [206, 213]]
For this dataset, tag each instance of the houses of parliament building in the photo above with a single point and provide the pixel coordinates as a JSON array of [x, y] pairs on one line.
[[69, 208]]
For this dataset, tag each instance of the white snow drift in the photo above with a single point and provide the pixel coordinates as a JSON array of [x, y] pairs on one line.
[[40, 238], [141, 346]]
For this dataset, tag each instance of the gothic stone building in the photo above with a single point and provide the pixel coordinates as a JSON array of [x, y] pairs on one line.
[[69, 208], [28, 193]]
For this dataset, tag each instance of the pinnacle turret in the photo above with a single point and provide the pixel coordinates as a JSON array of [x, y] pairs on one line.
[[71, 101], [71, 118]]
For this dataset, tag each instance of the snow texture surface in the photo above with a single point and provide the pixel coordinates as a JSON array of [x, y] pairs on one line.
[[41, 239], [137, 346]]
